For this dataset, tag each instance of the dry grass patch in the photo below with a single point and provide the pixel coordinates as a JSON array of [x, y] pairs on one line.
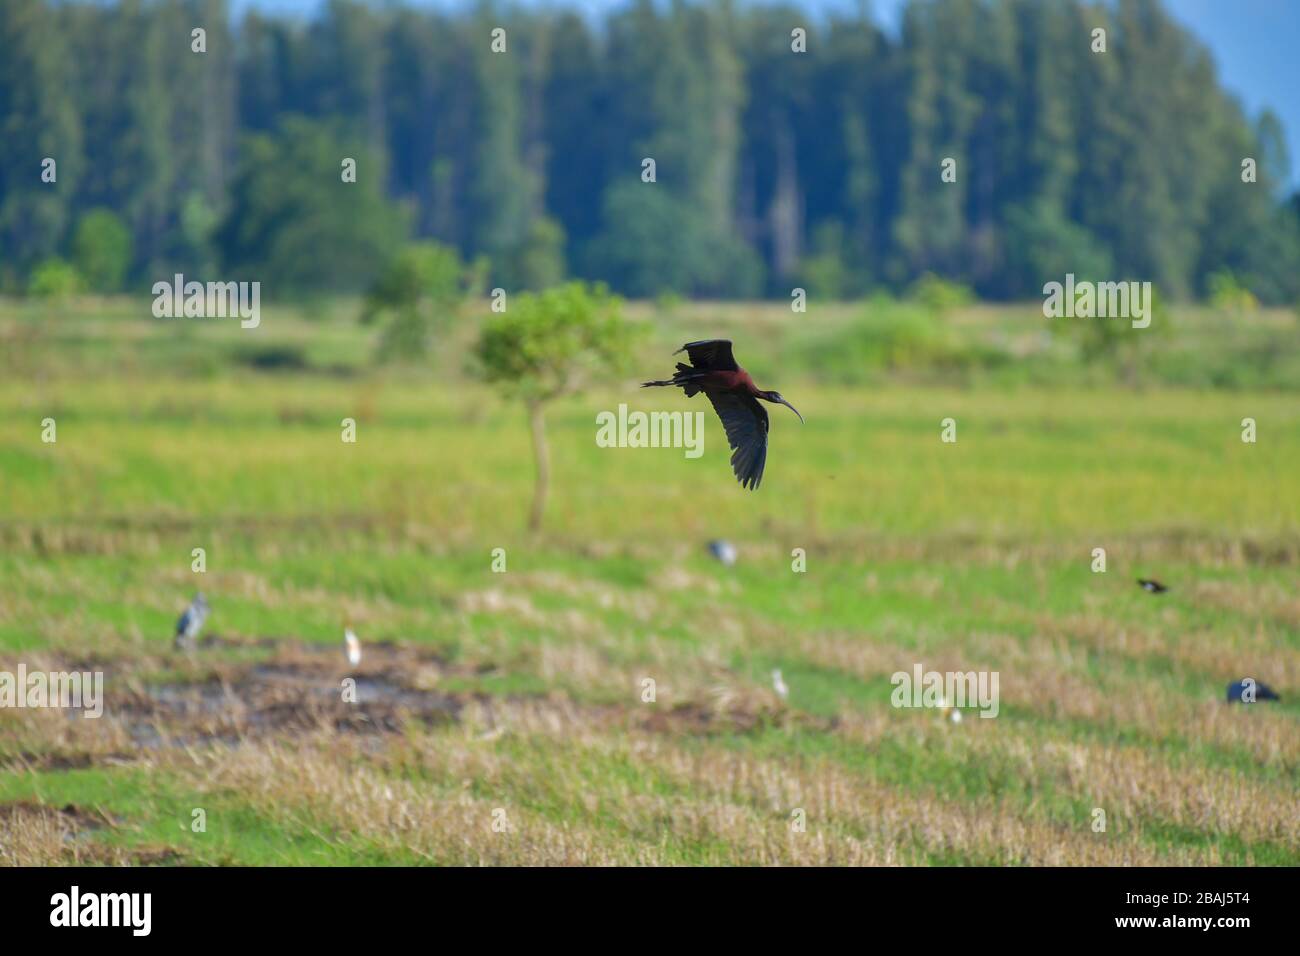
[[34, 834]]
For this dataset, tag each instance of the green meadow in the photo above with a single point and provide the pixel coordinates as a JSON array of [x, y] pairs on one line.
[[504, 714]]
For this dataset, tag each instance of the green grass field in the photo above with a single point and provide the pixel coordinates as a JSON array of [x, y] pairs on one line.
[[502, 717]]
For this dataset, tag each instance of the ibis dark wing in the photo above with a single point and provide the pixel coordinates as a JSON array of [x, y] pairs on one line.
[[711, 355], [746, 423]]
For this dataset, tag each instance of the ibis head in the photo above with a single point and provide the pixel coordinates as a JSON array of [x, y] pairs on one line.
[[776, 399]]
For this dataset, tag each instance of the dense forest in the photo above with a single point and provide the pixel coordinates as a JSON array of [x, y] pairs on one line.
[[526, 148]]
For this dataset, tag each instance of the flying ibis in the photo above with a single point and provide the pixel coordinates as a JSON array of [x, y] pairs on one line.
[[735, 397]]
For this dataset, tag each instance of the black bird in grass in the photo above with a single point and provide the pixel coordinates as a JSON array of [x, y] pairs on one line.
[[1151, 587], [735, 397], [1237, 692]]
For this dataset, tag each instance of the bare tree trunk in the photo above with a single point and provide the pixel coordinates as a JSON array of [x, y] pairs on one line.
[[542, 458]]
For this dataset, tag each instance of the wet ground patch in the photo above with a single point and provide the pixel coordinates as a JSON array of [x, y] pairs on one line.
[[299, 689]]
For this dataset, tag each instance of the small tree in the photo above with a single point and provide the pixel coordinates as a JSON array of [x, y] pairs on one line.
[[550, 344], [419, 288], [101, 250]]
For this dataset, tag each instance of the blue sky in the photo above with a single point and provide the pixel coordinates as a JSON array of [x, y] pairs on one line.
[[1255, 42]]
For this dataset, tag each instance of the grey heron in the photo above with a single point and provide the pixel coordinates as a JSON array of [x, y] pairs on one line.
[[191, 622]]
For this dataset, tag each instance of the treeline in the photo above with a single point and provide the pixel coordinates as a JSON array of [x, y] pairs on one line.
[[772, 168]]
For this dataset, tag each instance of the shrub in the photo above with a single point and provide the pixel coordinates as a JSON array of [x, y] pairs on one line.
[[823, 271], [887, 337], [1229, 295], [54, 279], [538, 262], [940, 295], [101, 250], [415, 293]]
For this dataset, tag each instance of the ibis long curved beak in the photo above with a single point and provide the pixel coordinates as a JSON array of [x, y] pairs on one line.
[[792, 408]]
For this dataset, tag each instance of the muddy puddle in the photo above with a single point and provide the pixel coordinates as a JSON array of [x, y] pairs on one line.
[[299, 690]]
